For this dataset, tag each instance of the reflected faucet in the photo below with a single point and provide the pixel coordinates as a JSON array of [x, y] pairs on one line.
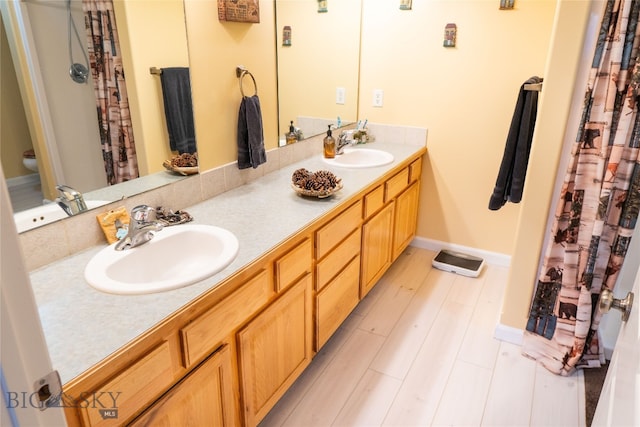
[[142, 223], [70, 200], [343, 141]]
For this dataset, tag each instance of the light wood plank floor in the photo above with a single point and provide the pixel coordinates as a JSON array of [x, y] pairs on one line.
[[419, 351]]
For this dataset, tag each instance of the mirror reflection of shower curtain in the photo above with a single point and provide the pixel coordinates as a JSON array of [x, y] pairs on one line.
[[598, 204], [114, 118]]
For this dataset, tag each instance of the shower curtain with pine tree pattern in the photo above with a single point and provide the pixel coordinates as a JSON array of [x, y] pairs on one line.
[[598, 205], [114, 119]]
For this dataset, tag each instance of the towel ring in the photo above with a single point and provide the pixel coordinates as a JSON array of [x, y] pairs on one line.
[[240, 73]]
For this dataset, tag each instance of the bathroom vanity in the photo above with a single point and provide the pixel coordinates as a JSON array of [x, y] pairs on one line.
[[227, 348]]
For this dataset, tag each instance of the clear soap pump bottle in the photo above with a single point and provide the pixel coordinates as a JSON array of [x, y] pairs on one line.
[[329, 145]]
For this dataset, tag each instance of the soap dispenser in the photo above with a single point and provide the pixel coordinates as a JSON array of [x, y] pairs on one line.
[[329, 145], [291, 136]]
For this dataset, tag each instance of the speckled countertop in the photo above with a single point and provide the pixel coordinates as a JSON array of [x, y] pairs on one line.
[[82, 326]]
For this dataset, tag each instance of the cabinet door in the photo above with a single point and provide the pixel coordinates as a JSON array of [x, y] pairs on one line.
[[406, 218], [376, 247], [204, 397], [274, 350]]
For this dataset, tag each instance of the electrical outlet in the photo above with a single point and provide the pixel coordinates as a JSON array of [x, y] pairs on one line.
[[378, 95], [340, 95]]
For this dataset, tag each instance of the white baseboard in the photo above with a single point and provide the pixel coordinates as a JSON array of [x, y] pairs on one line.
[[508, 334], [32, 178], [493, 258]]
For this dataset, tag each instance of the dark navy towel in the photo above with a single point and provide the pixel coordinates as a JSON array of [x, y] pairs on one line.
[[513, 169], [251, 152], [178, 109]]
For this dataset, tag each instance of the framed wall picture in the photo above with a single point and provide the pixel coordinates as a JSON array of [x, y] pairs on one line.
[[507, 4], [450, 33], [239, 10]]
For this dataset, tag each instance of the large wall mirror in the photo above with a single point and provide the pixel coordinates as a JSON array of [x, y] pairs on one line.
[[72, 154], [318, 63], [317, 78]]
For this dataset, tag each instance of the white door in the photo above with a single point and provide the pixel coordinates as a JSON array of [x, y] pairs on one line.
[[24, 358], [618, 404]]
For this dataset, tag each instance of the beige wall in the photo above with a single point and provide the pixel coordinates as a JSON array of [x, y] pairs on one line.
[[215, 49], [158, 46], [310, 70], [465, 96], [556, 118], [14, 139]]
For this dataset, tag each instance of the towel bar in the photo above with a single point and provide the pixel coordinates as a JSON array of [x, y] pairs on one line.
[[533, 87], [155, 70], [241, 71]]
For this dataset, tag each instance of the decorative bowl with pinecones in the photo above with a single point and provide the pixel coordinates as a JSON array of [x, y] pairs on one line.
[[184, 164], [320, 184]]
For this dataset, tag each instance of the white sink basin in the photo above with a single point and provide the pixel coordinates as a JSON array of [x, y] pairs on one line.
[[46, 214], [177, 256], [361, 158]]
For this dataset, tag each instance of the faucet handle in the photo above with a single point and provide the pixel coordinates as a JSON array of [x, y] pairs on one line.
[[143, 213]]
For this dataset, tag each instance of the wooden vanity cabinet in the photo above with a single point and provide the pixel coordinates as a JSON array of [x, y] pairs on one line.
[[406, 210], [337, 271], [210, 330], [376, 247], [227, 357], [391, 214], [205, 397], [113, 396], [274, 349], [405, 219]]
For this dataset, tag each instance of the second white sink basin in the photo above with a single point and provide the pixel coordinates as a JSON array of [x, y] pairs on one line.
[[177, 256], [361, 158]]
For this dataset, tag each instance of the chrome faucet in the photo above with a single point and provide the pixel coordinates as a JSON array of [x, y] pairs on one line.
[[141, 224], [343, 141], [70, 200]]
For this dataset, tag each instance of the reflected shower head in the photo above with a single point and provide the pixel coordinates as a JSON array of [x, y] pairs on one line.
[[79, 73]]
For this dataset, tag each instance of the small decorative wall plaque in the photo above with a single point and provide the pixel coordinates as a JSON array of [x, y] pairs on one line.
[[286, 36], [507, 4], [450, 31], [405, 4], [322, 6]]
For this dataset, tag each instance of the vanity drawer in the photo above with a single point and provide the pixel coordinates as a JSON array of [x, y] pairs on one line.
[[336, 301], [373, 201], [293, 265], [132, 389], [415, 169], [396, 184], [337, 259], [203, 335], [339, 228]]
